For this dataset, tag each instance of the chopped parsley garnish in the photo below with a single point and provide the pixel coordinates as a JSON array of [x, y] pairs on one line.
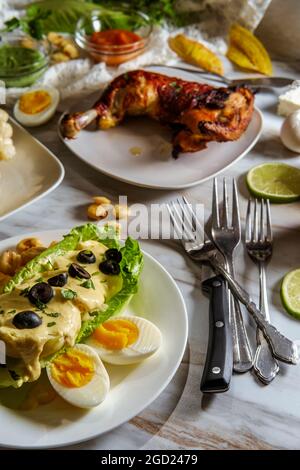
[[96, 273], [88, 284], [12, 311], [93, 314], [53, 314], [52, 323], [14, 375], [40, 305], [176, 86], [25, 291], [68, 294]]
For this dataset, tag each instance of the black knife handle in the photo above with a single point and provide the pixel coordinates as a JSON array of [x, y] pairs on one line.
[[218, 365]]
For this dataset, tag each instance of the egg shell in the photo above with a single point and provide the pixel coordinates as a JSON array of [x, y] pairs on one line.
[[148, 342], [91, 394], [290, 132]]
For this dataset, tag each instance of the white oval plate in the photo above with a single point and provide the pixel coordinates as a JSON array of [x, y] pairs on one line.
[[109, 151], [133, 388], [33, 173]]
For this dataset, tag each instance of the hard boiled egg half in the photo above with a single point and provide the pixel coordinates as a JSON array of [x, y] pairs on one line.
[[125, 340], [36, 106], [79, 377]]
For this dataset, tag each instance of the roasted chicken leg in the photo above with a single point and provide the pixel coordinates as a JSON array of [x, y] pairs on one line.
[[197, 113]]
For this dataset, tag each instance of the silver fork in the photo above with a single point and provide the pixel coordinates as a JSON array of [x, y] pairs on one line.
[[217, 370], [259, 244], [203, 252], [226, 237]]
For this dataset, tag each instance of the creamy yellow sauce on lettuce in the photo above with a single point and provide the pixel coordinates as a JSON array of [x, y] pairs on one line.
[[62, 316]]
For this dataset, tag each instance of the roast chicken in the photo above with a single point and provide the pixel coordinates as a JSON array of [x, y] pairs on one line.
[[196, 113]]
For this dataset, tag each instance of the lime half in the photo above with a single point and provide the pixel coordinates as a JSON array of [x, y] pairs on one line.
[[275, 181], [290, 293]]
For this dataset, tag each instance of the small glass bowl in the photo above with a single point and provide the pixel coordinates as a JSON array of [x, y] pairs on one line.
[[25, 75], [112, 55]]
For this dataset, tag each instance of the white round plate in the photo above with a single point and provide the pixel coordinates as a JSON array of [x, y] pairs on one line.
[[110, 151], [133, 387]]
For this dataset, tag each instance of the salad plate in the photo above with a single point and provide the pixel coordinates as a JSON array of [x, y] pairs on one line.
[[138, 151], [133, 387], [31, 174]]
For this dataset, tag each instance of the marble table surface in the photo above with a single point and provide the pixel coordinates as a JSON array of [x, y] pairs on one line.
[[250, 415]]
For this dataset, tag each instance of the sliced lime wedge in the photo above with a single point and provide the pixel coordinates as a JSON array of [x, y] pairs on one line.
[[290, 293], [275, 181]]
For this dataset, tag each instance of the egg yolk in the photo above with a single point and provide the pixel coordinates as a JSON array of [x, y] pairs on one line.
[[73, 369], [116, 334], [34, 102]]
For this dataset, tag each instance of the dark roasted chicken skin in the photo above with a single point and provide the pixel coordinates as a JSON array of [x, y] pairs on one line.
[[197, 113]]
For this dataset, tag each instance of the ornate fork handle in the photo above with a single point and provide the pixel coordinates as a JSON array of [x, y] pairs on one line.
[[265, 365], [283, 348]]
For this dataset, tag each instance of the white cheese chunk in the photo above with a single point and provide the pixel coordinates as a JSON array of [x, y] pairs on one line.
[[290, 100]]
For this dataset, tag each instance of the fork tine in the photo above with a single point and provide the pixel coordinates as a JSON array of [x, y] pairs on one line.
[[197, 224], [225, 205], [262, 222], [255, 223], [178, 219], [269, 226], [188, 215], [184, 234], [215, 222], [174, 222], [190, 209], [248, 231], [236, 222]]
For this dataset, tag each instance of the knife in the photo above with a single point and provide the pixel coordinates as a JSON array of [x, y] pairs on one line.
[[219, 359], [257, 82]]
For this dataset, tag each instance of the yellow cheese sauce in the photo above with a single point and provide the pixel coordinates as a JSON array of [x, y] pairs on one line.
[[61, 318]]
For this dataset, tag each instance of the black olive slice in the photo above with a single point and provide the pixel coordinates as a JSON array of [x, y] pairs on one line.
[[109, 267], [78, 271], [27, 319], [40, 292], [86, 257], [60, 280], [113, 254]]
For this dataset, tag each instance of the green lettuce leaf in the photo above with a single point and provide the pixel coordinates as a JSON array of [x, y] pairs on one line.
[[131, 265], [62, 15], [43, 261]]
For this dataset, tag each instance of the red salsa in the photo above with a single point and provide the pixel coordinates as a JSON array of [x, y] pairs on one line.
[[114, 37]]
